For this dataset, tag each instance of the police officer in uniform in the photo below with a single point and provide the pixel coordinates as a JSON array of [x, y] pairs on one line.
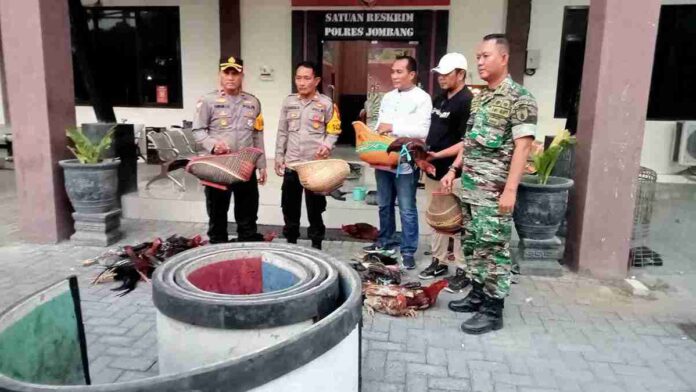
[[308, 129], [226, 121]]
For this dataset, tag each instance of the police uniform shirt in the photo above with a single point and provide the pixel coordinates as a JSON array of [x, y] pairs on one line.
[[304, 126], [448, 123], [234, 119]]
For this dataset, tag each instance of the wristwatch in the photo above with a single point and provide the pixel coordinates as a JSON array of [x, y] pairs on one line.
[[455, 169]]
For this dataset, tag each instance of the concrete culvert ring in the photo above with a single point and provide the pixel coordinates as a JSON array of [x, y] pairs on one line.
[[305, 273], [322, 355], [301, 302]]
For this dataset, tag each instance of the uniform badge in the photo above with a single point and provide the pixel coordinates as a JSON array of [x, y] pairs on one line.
[[250, 122], [223, 122], [222, 100], [294, 115], [522, 114], [316, 124], [319, 105]]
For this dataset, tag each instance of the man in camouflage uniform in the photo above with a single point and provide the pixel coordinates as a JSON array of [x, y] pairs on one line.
[[227, 120], [308, 128], [499, 136]]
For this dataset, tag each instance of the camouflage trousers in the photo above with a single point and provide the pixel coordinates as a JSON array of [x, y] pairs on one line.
[[486, 244]]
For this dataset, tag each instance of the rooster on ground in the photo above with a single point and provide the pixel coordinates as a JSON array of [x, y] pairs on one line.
[[140, 261], [363, 231], [403, 300]]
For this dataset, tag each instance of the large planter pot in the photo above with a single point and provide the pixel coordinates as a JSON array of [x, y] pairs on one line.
[[540, 209], [122, 147], [91, 188]]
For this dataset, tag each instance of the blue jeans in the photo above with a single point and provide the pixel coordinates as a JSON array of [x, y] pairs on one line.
[[389, 188]]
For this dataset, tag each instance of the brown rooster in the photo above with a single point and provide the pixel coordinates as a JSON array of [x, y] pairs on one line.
[[363, 231], [418, 150], [402, 300]]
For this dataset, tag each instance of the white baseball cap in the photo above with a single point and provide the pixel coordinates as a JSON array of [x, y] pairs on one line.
[[450, 62]]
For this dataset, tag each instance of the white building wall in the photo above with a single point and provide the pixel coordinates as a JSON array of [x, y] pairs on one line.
[[200, 52], [469, 21], [545, 35], [266, 29]]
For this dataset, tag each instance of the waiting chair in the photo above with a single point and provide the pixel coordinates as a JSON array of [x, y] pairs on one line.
[[179, 141], [170, 158]]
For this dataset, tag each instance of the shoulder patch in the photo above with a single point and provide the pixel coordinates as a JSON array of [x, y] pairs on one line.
[[333, 127]]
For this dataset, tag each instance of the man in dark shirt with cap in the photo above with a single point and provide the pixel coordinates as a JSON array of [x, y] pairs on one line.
[[227, 120], [447, 127]]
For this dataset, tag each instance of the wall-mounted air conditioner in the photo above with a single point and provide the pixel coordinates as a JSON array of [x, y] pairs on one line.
[[685, 143]]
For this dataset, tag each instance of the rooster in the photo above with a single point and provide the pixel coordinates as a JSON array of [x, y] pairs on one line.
[[140, 261], [363, 231], [418, 151], [378, 273], [403, 300]]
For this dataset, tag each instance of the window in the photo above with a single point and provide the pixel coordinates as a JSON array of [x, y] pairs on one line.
[[673, 82], [137, 54], [572, 57]]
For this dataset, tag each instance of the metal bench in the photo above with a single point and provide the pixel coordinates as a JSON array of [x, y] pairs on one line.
[[170, 158]]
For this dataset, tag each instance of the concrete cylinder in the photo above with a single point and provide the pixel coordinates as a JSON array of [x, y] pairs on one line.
[[296, 330]]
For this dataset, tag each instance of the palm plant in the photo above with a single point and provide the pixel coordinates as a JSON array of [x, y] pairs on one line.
[[84, 149], [545, 161]]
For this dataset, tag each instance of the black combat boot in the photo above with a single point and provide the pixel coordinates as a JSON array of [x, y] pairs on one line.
[[472, 302], [489, 317], [316, 244]]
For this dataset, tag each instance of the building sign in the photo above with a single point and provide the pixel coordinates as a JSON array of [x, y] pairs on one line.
[[369, 25]]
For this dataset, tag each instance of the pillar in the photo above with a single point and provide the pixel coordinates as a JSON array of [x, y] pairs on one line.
[[613, 105], [38, 71]]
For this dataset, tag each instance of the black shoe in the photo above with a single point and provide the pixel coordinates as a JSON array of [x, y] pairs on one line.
[[408, 261], [433, 270], [488, 318], [374, 248], [472, 302], [458, 282], [292, 240], [218, 241], [316, 244]]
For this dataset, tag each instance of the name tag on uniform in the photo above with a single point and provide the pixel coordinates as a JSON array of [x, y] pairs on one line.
[[218, 106], [292, 107]]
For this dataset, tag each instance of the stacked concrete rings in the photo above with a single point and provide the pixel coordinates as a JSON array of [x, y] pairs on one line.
[[313, 296]]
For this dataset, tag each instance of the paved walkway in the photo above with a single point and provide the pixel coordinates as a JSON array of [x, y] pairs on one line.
[[561, 334]]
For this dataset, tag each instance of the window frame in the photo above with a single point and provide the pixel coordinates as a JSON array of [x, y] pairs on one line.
[[558, 112], [179, 74]]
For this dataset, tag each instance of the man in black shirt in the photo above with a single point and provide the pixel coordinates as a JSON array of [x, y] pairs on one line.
[[447, 126]]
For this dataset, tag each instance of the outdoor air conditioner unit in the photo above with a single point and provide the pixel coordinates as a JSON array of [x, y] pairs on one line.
[[685, 143]]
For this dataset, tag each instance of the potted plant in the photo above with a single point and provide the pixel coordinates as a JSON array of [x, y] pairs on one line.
[[91, 181], [542, 199]]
